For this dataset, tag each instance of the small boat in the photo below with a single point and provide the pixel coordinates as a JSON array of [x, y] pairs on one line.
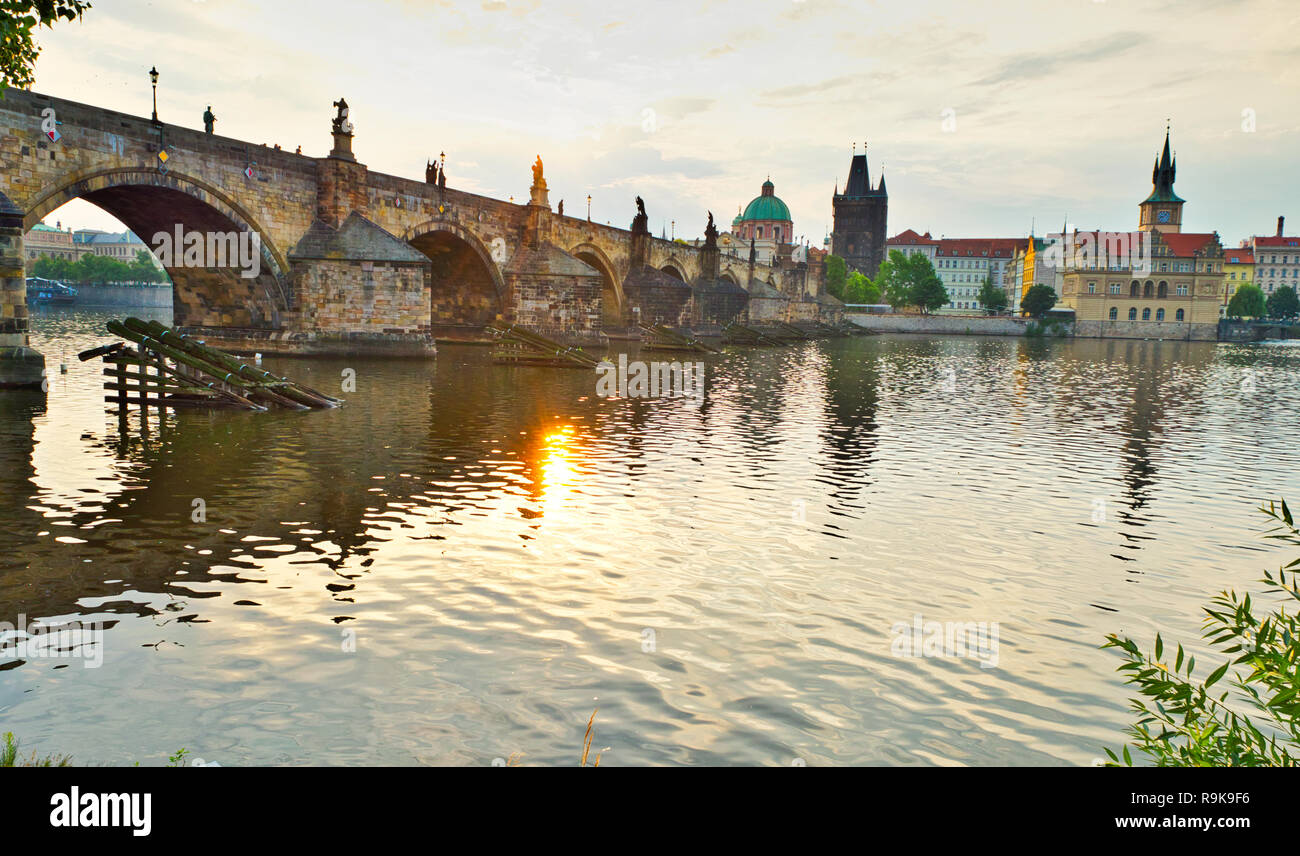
[[41, 290]]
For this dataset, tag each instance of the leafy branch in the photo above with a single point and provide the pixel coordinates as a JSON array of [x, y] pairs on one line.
[[1182, 722]]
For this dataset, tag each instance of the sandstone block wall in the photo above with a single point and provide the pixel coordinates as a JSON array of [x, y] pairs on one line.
[[361, 297]]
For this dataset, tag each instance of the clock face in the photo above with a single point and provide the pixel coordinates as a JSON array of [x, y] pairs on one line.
[[1162, 216]]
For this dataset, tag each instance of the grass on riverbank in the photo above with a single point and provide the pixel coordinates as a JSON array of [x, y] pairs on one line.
[[9, 756]]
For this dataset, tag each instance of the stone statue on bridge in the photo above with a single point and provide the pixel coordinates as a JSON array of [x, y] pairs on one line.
[[561, 212], [430, 172], [641, 222], [711, 233], [341, 123], [208, 120], [538, 180]]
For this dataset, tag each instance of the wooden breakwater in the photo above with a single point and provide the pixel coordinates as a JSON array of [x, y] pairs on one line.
[[157, 367]]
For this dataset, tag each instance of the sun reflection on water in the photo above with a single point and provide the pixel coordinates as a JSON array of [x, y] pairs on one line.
[[559, 474]]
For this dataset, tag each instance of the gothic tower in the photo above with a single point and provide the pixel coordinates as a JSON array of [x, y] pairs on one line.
[[1162, 211], [860, 220]]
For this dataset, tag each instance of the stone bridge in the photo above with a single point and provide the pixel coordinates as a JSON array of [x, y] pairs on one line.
[[351, 260]]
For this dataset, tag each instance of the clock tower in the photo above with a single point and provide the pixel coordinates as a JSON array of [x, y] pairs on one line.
[[1163, 210]]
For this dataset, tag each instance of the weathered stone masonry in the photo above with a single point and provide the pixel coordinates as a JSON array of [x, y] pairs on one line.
[[350, 259]]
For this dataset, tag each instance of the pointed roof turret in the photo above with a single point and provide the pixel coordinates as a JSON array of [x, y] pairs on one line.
[[1162, 176], [859, 183]]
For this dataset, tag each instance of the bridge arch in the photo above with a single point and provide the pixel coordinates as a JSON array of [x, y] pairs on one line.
[[674, 268], [468, 289], [149, 202], [611, 291]]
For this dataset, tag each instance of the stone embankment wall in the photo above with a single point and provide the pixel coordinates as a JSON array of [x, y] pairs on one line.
[[970, 325], [954, 325], [1181, 330], [124, 295]]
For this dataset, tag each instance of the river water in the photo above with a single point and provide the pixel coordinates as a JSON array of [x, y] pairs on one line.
[[465, 561]]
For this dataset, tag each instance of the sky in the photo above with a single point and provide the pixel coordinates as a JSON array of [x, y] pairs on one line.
[[987, 118]]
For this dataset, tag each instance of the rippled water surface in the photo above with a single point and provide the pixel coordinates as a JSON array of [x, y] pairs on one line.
[[507, 552]]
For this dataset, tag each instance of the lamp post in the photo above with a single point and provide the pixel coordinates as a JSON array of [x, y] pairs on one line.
[[673, 233], [588, 207], [153, 77]]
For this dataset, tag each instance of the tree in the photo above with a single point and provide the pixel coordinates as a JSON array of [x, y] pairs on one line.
[[836, 271], [860, 290], [145, 268], [45, 268], [929, 294], [18, 18], [993, 297], [1037, 300], [1248, 302], [1283, 303], [910, 280], [1182, 723]]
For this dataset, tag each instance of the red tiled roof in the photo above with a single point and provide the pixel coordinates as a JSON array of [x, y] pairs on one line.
[[908, 236], [1186, 243], [1239, 257], [1274, 241], [1003, 248]]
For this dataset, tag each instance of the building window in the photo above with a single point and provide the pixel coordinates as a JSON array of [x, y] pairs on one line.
[[1182, 291], [1163, 289], [1160, 314], [1178, 316], [1114, 313], [1114, 288], [1146, 313], [1146, 288], [760, 231], [1133, 289], [1132, 313]]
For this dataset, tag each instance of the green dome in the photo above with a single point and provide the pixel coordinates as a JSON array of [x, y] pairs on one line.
[[768, 206]]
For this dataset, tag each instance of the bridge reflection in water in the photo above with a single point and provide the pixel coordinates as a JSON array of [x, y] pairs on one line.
[[499, 540]]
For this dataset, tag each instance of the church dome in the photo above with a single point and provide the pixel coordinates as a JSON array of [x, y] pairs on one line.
[[767, 206]]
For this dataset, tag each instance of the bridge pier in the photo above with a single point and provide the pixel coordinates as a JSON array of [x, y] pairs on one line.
[[20, 366]]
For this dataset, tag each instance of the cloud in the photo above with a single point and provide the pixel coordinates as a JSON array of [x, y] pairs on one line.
[[798, 90], [1033, 66], [738, 92]]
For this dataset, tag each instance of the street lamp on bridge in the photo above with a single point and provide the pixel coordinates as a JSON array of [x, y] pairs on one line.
[[153, 78], [588, 207]]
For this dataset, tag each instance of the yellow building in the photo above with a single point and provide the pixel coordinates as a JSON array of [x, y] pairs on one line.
[[1173, 290], [1238, 270]]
